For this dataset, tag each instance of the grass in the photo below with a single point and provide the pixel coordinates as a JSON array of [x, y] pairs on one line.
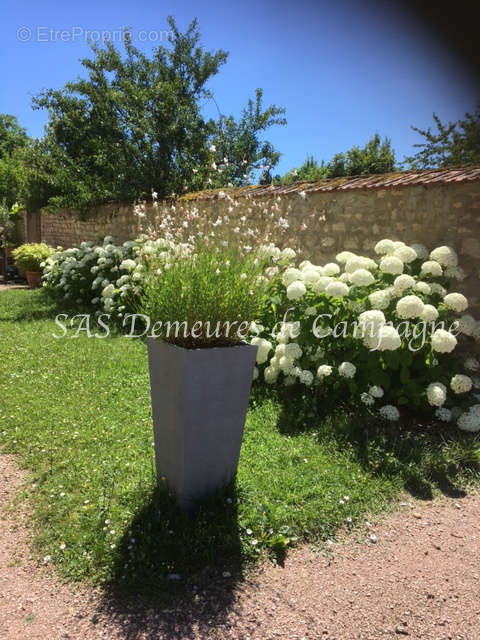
[[77, 413]]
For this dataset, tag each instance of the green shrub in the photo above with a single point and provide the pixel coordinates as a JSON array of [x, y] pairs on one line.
[[29, 257]]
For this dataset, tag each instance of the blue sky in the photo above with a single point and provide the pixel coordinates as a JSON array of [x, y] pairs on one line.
[[343, 70]]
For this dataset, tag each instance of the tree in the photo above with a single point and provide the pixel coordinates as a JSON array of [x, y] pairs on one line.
[[13, 138], [377, 156], [309, 171], [135, 124], [453, 144]]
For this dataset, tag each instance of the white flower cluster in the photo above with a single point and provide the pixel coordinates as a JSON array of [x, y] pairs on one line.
[[470, 420], [380, 296]]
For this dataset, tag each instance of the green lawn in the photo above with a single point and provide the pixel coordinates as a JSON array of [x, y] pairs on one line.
[[77, 413]]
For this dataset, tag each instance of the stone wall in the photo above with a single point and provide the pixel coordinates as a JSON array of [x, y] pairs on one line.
[[353, 219]]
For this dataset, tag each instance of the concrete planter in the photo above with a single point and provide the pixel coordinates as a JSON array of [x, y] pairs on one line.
[[199, 403]]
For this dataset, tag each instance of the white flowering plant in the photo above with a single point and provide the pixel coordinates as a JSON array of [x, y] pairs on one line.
[[381, 332], [358, 323]]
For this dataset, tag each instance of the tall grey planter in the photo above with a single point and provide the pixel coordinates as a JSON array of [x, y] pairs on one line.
[[199, 403]]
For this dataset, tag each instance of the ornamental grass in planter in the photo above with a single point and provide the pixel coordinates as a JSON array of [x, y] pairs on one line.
[[201, 304]]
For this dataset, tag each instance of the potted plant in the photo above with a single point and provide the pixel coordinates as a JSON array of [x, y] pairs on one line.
[[200, 305], [28, 257]]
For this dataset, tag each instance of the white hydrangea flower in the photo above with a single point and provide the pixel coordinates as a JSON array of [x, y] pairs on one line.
[[436, 394], [331, 269], [461, 383], [403, 282], [305, 264], [321, 284], [127, 265], [429, 313], [385, 247], [443, 414], [291, 275], [263, 349], [456, 302], [389, 412], [371, 321], [255, 373], [392, 265], [288, 254], [286, 364], [367, 399], [410, 307], [437, 289], [360, 262], [324, 370], [443, 341], [380, 299], [376, 391], [306, 377], [388, 339], [431, 268], [423, 287], [361, 277], [108, 291], [296, 290], [445, 256], [344, 256], [347, 370], [406, 254], [270, 374], [470, 420], [310, 276], [293, 350], [344, 277], [337, 289], [421, 251], [288, 331]]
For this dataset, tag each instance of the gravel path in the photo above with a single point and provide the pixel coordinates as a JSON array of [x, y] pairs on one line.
[[420, 579]]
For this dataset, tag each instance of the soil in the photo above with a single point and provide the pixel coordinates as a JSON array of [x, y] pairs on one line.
[[417, 577]]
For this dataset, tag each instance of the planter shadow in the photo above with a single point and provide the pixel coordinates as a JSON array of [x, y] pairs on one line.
[[166, 552]]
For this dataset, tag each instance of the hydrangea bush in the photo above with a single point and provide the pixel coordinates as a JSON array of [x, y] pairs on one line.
[[383, 332]]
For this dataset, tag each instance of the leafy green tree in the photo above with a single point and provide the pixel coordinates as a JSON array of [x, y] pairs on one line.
[[453, 144], [13, 138], [377, 156], [310, 170], [135, 125]]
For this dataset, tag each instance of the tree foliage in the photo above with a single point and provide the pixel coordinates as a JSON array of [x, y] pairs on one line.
[[377, 156], [135, 123], [452, 144], [13, 139]]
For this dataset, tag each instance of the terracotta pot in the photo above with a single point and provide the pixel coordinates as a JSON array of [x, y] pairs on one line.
[[34, 278]]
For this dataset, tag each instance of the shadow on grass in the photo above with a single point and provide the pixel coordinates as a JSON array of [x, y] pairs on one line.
[[425, 455], [175, 573], [28, 305]]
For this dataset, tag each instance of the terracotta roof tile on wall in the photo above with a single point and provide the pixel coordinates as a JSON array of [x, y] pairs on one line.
[[380, 181]]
